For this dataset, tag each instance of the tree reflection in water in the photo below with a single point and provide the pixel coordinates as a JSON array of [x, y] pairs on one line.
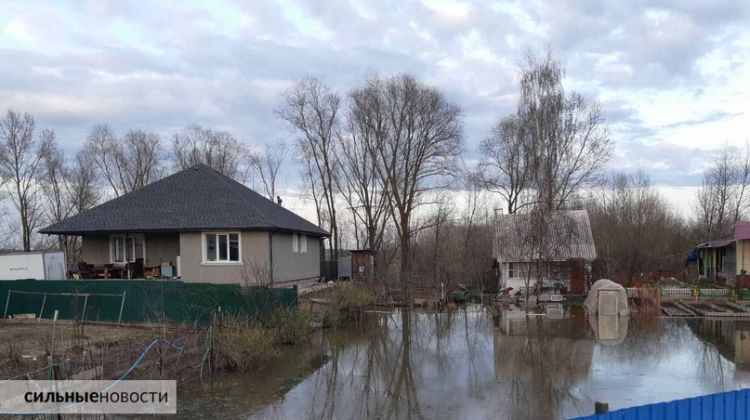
[[458, 364]]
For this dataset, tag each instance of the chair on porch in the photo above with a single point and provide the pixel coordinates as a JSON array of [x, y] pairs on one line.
[[85, 270]]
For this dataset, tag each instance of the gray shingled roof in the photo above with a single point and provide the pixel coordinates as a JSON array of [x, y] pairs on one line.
[[198, 198], [567, 234]]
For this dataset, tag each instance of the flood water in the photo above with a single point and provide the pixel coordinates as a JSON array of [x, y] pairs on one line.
[[469, 364]]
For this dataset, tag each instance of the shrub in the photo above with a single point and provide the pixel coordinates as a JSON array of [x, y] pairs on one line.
[[241, 344], [346, 301], [290, 325]]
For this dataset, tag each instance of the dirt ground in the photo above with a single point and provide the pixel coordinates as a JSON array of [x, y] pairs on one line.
[[100, 350]]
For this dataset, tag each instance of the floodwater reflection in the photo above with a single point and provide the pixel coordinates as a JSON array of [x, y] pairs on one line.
[[465, 364]]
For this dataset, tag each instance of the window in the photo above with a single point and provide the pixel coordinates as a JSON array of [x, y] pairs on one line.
[[303, 244], [511, 271], [123, 248], [221, 247], [295, 243]]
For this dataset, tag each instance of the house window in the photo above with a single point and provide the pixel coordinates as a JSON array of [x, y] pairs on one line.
[[303, 244], [123, 248], [295, 243], [511, 271], [221, 247]]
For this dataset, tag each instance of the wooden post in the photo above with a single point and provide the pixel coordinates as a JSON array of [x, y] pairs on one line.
[[85, 302], [600, 407], [7, 302]]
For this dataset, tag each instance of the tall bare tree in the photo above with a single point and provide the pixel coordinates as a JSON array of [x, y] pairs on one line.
[[423, 144], [506, 164], [266, 166], [312, 110], [217, 149], [21, 164], [554, 146], [127, 164], [723, 197], [361, 186]]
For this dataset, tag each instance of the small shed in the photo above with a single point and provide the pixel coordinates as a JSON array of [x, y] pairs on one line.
[[607, 298]]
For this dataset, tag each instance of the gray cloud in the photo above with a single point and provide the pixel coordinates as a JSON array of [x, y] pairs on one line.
[[161, 66]]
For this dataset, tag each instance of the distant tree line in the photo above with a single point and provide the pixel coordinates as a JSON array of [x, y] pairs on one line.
[[45, 185], [382, 162]]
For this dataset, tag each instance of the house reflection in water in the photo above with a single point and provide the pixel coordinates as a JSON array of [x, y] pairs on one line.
[[731, 339], [541, 361]]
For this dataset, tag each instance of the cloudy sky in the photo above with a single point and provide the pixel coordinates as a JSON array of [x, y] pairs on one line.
[[673, 78]]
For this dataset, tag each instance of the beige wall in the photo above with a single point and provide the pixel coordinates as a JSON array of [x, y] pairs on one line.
[[255, 258], [289, 266], [743, 256], [95, 249], [162, 248]]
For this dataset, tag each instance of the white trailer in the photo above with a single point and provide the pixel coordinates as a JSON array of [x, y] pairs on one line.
[[42, 265]]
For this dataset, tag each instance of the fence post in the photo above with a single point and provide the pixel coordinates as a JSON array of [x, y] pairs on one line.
[[7, 302], [44, 301], [122, 305], [85, 301]]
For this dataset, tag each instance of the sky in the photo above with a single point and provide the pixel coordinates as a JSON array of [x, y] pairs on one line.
[[672, 77]]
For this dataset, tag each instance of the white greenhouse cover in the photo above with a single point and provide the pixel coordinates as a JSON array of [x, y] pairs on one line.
[[607, 298]]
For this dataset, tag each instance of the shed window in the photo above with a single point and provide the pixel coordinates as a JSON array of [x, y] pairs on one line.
[[511, 271], [222, 247], [303, 244], [295, 243]]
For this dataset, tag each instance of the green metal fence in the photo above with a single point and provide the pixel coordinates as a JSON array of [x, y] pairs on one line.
[[138, 301]]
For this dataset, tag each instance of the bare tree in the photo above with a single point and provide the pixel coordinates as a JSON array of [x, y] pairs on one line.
[[53, 179], [21, 164], [217, 149], [423, 143], [266, 166], [506, 164], [629, 213], [554, 146], [127, 164], [361, 186], [312, 109], [723, 197]]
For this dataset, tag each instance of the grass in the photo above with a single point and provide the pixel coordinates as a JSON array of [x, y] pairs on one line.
[[242, 344], [347, 301], [290, 325]]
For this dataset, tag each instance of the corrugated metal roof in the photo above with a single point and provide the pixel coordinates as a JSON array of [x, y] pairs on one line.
[[566, 234], [716, 244]]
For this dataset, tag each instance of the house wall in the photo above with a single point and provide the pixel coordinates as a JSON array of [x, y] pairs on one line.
[[743, 256], [162, 248], [289, 266], [557, 272], [95, 249], [255, 259]]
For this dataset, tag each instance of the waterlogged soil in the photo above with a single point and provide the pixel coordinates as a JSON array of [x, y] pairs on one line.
[[472, 364]]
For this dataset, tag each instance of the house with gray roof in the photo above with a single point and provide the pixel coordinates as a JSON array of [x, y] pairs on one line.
[[549, 245], [198, 225]]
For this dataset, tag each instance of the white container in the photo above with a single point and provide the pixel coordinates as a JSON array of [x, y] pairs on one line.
[[42, 265]]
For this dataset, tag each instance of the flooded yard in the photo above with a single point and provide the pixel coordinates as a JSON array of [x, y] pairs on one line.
[[471, 364]]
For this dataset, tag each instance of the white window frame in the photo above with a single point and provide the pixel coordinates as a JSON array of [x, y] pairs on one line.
[[303, 244], [295, 243], [113, 247], [204, 249]]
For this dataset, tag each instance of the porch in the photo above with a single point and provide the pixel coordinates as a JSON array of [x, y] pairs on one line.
[[128, 256]]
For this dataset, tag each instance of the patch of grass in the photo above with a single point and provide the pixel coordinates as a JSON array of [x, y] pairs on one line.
[[241, 344], [290, 325], [347, 300]]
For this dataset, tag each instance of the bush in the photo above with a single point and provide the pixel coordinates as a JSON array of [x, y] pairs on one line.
[[290, 325], [241, 344], [346, 301]]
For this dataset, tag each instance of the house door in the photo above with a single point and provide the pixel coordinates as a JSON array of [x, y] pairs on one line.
[[608, 303]]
